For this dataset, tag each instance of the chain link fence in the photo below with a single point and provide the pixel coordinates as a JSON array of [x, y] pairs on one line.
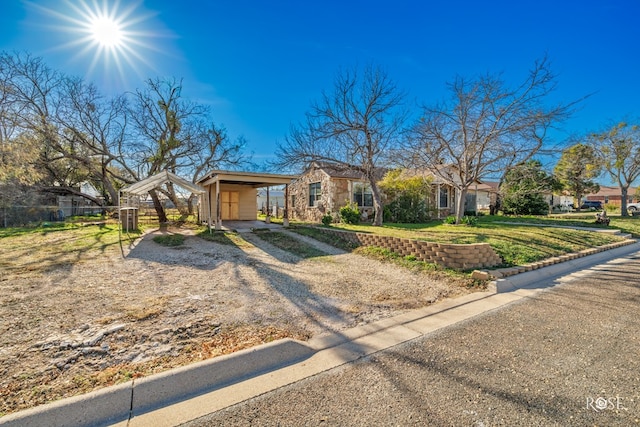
[[20, 216]]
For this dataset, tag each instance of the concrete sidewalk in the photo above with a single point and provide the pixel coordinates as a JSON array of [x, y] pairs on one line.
[[187, 393]]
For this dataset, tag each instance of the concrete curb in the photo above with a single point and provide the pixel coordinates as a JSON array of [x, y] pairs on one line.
[[189, 392], [102, 407], [118, 403], [532, 278]]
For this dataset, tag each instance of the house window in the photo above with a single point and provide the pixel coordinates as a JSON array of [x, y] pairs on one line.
[[293, 200], [315, 193], [362, 194], [444, 197]]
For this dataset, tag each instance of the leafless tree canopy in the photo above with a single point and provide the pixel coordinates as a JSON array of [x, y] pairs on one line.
[[57, 131], [485, 128], [353, 128]]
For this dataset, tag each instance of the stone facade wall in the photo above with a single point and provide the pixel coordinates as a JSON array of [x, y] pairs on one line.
[[334, 194], [456, 256]]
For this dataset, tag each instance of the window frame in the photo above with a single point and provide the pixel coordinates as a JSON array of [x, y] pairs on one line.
[[315, 193], [365, 193], [446, 192]]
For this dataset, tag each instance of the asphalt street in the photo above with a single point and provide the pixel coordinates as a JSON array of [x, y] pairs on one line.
[[565, 356]]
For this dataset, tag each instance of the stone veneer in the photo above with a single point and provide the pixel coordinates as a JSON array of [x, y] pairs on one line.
[[459, 257]]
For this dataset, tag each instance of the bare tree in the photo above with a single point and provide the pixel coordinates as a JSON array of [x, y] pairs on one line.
[[618, 151], [485, 128], [70, 133], [93, 130], [351, 128], [174, 134]]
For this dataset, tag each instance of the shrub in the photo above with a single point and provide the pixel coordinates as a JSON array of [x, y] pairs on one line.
[[529, 204], [610, 207], [470, 220], [327, 219], [451, 219], [350, 214]]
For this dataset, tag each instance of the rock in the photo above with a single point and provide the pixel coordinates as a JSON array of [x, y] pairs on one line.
[[100, 334], [480, 275]]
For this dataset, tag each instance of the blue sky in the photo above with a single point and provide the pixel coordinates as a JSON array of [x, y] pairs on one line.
[[259, 64]]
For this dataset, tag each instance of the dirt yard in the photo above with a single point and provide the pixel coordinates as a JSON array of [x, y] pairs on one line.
[[84, 317]]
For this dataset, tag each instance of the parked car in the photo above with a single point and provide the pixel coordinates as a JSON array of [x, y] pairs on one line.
[[633, 207], [593, 205]]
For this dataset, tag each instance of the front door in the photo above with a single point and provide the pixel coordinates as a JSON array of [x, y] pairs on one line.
[[230, 205]]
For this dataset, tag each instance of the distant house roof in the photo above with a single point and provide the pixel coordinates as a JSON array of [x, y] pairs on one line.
[[447, 170], [608, 192], [489, 186]]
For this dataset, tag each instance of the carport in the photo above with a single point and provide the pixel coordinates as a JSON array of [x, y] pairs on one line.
[[128, 209], [232, 195]]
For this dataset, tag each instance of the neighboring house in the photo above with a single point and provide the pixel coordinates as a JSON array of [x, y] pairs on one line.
[[73, 204], [323, 189], [485, 193], [611, 196]]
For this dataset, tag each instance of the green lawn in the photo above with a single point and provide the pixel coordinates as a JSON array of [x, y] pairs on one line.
[[517, 240]]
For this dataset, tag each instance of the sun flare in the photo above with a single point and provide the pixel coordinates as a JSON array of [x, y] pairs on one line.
[[106, 32], [112, 37]]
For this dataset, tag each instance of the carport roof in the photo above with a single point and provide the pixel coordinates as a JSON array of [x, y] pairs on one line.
[[155, 181], [254, 179]]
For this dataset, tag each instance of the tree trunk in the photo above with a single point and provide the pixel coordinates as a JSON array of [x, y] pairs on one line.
[[460, 204], [377, 203], [162, 216], [624, 191], [579, 201]]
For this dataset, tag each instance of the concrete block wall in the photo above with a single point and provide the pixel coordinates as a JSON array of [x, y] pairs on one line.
[[456, 256]]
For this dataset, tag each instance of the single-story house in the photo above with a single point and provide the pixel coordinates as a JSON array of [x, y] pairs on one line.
[[232, 195], [324, 188], [612, 196]]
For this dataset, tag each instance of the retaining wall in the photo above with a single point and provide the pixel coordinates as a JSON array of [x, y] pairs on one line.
[[459, 257]]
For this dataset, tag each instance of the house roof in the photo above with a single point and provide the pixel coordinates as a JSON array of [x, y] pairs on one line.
[[609, 191], [438, 179], [254, 179], [142, 187], [336, 170]]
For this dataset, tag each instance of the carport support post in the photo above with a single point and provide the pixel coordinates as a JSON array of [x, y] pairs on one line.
[[285, 220], [218, 220], [267, 220]]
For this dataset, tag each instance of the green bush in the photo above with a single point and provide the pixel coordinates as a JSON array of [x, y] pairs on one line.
[[610, 207], [528, 204], [407, 209], [451, 219], [470, 220], [350, 214], [327, 219]]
